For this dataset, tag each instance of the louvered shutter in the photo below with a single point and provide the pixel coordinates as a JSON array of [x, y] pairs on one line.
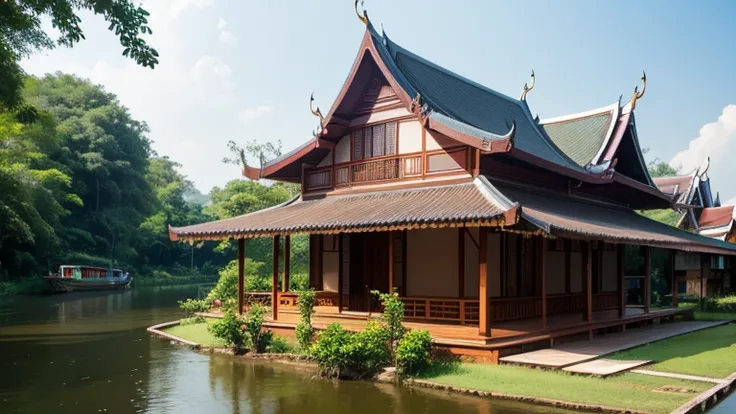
[[391, 138], [379, 140], [357, 145], [367, 142]]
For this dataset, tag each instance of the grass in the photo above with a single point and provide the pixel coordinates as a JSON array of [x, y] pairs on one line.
[[714, 316], [632, 391], [196, 332], [710, 352]]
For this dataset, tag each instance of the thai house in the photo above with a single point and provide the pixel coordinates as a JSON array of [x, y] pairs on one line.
[[699, 212], [496, 229]]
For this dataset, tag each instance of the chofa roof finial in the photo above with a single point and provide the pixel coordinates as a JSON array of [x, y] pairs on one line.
[[527, 88], [637, 95], [315, 112], [363, 17]]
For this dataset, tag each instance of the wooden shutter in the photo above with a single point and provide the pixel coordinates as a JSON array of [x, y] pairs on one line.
[[379, 140], [367, 142], [357, 137], [391, 138]]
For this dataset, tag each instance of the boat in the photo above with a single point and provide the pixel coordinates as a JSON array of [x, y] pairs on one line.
[[72, 278]]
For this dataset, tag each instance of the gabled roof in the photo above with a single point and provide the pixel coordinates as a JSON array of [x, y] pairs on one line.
[[715, 217], [678, 187], [584, 136]]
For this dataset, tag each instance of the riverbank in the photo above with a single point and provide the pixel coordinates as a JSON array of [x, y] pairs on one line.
[[36, 285]]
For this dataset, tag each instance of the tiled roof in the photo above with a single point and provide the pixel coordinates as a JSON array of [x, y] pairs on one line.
[[677, 186], [472, 107], [581, 138], [471, 203], [715, 217], [562, 216]]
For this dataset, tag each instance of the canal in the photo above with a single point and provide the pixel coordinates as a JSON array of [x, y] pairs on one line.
[[89, 353]]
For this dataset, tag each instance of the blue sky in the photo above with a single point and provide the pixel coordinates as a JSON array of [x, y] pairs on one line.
[[241, 70]]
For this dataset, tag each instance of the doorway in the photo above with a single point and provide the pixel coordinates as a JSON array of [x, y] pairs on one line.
[[368, 269]]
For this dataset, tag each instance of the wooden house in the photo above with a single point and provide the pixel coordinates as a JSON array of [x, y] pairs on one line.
[[496, 229]]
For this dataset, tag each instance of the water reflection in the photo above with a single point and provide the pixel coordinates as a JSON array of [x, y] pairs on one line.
[[89, 352]]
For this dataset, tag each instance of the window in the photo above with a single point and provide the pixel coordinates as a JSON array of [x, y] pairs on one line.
[[374, 141]]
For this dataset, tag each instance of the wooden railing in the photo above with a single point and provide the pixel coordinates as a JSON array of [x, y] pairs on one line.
[[288, 300], [506, 309], [605, 301], [565, 303], [442, 309], [390, 167]]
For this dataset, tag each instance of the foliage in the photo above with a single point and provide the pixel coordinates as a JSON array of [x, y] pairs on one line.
[[304, 329], [231, 329], [726, 304], [258, 339], [21, 34], [227, 285], [413, 352], [659, 168], [192, 306], [393, 317], [666, 216], [193, 320], [279, 345], [340, 353]]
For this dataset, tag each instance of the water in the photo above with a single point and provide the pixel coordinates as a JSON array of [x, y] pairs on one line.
[[89, 353], [728, 406]]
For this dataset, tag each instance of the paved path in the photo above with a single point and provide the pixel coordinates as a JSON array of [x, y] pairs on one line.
[[604, 367], [587, 350], [679, 376]]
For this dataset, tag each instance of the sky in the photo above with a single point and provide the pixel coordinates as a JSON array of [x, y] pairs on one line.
[[243, 70]]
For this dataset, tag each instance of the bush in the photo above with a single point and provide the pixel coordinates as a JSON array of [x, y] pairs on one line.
[[191, 306], [393, 317], [413, 352], [344, 354], [726, 304], [304, 329], [227, 284], [258, 339], [230, 329], [298, 282], [279, 345], [192, 321]]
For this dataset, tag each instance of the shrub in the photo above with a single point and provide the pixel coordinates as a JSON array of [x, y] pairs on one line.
[[230, 329], [191, 306], [298, 282], [279, 345], [304, 329], [227, 284], [413, 352], [192, 321], [393, 317], [258, 339], [340, 353]]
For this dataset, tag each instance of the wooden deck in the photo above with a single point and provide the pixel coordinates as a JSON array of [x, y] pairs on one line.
[[507, 338]]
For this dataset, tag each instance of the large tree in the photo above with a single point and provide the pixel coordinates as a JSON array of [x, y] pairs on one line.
[[21, 34]]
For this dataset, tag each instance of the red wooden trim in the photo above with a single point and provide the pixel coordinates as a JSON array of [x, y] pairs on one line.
[[275, 280], [476, 166], [424, 152], [320, 261], [340, 272], [333, 179], [390, 261], [495, 146], [647, 278], [287, 262], [587, 272], [403, 263], [271, 169], [251, 173], [461, 262], [241, 274], [620, 290], [484, 317]]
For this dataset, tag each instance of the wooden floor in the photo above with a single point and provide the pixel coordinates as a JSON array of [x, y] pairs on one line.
[[503, 335]]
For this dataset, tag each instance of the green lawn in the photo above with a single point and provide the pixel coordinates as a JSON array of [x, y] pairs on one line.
[[715, 316], [196, 333], [632, 391], [710, 352]]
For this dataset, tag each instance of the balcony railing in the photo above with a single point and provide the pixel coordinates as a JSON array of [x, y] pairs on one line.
[[392, 167]]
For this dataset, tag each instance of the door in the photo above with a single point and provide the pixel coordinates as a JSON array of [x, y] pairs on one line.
[[368, 269]]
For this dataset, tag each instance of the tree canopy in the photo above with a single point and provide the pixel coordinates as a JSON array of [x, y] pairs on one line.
[[21, 34]]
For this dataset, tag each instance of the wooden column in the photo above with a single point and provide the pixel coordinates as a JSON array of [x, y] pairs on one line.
[[340, 272], [587, 272], [542, 276], [484, 322], [287, 262], [241, 274], [461, 262], [275, 279], [390, 262], [620, 289], [568, 253], [701, 300], [675, 301], [647, 278]]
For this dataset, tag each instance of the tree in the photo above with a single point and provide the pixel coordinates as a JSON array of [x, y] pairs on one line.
[[21, 34], [659, 168]]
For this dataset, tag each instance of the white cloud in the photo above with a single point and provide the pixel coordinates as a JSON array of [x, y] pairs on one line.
[[730, 202], [225, 36], [716, 140], [250, 114]]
